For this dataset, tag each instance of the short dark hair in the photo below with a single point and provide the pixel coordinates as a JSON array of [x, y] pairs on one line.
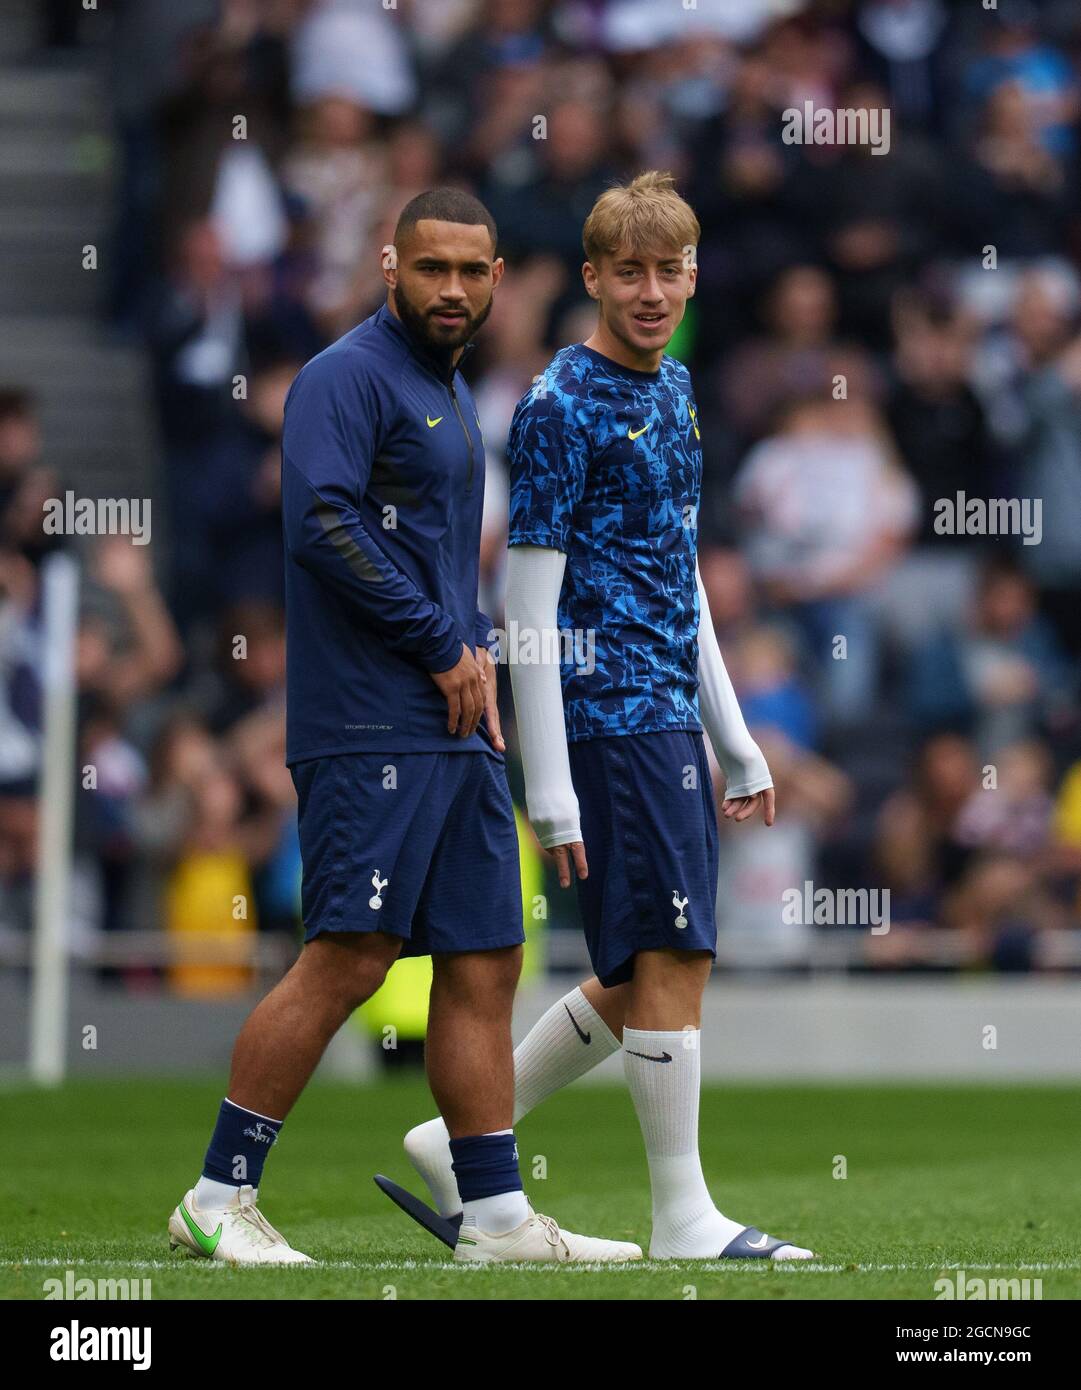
[[444, 205]]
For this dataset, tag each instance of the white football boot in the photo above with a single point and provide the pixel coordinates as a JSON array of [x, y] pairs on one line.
[[539, 1239], [239, 1234]]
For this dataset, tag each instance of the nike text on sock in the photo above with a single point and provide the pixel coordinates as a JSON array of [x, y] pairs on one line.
[[239, 1145]]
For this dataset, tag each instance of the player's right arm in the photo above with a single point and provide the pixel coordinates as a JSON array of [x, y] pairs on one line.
[[548, 455], [335, 419], [534, 579]]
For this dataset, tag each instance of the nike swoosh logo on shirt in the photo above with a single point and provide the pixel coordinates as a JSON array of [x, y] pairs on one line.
[[664, 1057], [633, 434], [207, 1244], [584, 1036], [432, 423]]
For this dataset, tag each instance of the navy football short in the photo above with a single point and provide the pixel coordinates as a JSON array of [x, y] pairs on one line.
[[418, 845], [649, 826]]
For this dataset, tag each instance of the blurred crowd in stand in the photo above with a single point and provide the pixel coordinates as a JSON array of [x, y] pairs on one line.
[[883, 342]]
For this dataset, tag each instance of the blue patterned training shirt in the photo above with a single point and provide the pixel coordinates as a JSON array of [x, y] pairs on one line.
[[606, 466]]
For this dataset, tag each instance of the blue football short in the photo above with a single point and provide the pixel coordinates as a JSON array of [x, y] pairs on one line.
[[649, 826], [419, 845]]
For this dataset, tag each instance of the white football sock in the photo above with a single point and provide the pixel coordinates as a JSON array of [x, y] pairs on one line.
[[211, 1195], [568, 1040], [564, 1043], [496, 1215], [663, 1073]]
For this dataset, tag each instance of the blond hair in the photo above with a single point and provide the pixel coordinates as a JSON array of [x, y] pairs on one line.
[[646, 214]]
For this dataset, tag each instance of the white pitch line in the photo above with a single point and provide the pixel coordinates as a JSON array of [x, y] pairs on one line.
[[653, 1266]]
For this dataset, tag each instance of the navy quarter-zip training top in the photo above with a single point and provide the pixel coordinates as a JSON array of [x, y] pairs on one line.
[[382, 490]]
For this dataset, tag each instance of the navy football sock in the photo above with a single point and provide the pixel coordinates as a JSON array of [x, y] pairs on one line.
[[486, 1165], [240, 1144]]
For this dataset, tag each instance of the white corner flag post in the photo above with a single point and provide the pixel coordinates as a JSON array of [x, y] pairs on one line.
[[49, 990]]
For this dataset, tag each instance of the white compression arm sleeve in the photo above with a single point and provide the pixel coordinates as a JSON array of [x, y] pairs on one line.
[[741, 760], [534, 579]]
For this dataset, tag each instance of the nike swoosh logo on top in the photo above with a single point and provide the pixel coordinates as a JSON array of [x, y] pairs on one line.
[[584, 1036], [207, 1244], [633, 434], [757, 1244], [664, 1057], [432, 423]]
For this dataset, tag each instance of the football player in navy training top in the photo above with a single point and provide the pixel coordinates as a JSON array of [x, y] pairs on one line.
[[407, 830], [606, 468]]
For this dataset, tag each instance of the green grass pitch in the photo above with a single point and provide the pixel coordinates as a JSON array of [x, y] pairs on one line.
[[974, 1177]]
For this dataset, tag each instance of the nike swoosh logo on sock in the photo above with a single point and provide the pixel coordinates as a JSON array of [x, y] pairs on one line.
[[586, 1037], [664, 1057]]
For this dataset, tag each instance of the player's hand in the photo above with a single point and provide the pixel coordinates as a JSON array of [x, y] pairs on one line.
[[741, 808], [491, 693], [463, 689], [564, 856]]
